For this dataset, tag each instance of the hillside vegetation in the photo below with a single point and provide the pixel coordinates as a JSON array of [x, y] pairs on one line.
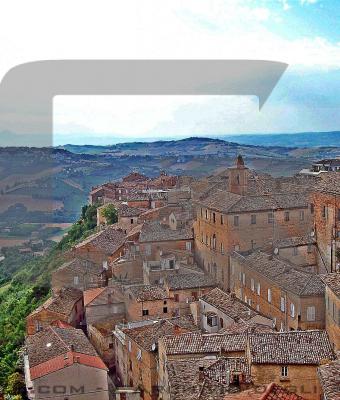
[[28, 288]]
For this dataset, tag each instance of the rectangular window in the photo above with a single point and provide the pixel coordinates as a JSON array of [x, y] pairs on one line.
[[188, 246], [284, 371], [292, 310], [244, 278], [221, 219], [148, 249], [214, 217], [253, 244], [176, 297], [236, 220], [165, 310], [295, 251], [201, 212], [211, 320], [324, 211], [286, 216], [222, 248], [270, 218], [76, 280], [338, 214], [252, 284], [145, 312], [253, 219], [302, 215], [311, 208], [282, 304], [131, 220], [269, 295], [311, 313], [258, 289]]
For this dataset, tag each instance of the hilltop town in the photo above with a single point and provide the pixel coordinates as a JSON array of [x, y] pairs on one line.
[[222, 287]]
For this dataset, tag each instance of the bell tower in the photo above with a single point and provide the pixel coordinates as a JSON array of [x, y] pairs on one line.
[[238, 177]]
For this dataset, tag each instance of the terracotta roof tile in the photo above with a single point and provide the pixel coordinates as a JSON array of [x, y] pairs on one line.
[[230, 305], [329, 375], [53, 342], [61, 303], [91, 294], [108, 240], [333, 282], [296, 347], [189, 281], [277, 392], [148, 292], [63, 361], [197, 342]]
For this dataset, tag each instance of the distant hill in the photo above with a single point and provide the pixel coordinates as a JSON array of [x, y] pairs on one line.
[[303, 139]]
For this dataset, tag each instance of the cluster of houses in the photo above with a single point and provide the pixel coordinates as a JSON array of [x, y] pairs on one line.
[[226, 287]]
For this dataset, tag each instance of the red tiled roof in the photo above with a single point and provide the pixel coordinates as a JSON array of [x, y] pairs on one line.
[[63, 361], [275, 392], [61, 324], [91, 294]]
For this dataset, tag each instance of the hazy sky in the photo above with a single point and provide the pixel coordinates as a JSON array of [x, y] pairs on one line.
[[302, 33]]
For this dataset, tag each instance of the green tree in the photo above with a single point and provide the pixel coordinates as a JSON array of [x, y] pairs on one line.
[[16, 385], [110, 214]]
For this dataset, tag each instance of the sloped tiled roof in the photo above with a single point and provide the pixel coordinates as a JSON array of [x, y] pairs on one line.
[[329, 376], [294, 241], [154, 231], [62, 303], [230, 305], [185, 382], [125, 211], [295, 347], [277, 392], [91, 294], [108, 240], [285, 275], [246, 327], [197, 342], [53, 342], [220, 370], [145, 336], [333, 282], [148, 292], [189, 281]]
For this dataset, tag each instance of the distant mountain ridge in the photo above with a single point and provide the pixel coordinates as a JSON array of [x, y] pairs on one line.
[[291, 140], [302, 139]]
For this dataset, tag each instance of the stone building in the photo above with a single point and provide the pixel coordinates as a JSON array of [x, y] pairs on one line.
[[204, 379], [103, 246], [66, 306], [156, 236], [300, 251], [187, 288], [80, 274], [219, 310], [62, 364], [186, 351], [101, 336], [103, 303], [332, 300], [329, 374], [249, 212], [147, 301], [326, 205], [138, 352], [289, 359], [291, 296]]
